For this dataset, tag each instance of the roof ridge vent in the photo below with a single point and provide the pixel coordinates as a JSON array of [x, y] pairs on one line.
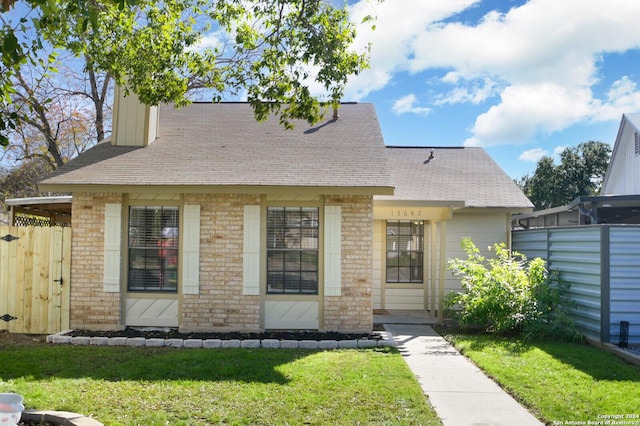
[[431, 157]]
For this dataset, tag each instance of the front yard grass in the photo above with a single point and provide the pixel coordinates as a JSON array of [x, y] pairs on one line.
[[558, 382], [158, 386]]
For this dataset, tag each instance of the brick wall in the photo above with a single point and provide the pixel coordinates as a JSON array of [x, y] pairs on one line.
[[91, 307], [221, 304], [353, 310]]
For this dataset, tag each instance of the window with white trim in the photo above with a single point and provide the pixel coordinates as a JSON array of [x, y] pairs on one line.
[[292, 250], [405, 251], [153, 249]]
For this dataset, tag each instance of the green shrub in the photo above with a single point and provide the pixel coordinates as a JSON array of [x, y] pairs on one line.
[[509, 294]]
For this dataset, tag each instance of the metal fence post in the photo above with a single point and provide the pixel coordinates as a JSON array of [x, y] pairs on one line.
[[623, 341]]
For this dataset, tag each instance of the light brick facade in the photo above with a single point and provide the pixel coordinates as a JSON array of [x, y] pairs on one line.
[[91, 307], [352, 311], [220, 304]]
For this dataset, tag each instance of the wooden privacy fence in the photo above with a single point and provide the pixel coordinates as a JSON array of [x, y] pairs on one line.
[[34, 279]]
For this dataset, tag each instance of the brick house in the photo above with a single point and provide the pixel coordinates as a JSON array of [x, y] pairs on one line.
[[207, 220]]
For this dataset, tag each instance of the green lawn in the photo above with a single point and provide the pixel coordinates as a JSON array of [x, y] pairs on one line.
[[158, 386], [558, 382]]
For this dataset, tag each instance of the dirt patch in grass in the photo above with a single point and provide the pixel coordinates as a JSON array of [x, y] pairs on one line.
[[21, 339]]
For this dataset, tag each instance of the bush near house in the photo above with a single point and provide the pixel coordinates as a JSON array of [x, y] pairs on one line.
[[509, 294]]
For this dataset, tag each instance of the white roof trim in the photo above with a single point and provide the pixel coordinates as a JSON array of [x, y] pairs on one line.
[[59, 199]]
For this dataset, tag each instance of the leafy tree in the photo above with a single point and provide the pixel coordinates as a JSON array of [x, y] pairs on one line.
[[22, 181], [509, 294], [61, 115], [271, 50], [580, 172]]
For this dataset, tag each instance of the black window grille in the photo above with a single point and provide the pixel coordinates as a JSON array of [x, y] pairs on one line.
[[405, 251], [153, 248], [292, 250]]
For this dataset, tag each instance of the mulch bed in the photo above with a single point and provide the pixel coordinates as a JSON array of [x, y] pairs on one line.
[[279, 335]]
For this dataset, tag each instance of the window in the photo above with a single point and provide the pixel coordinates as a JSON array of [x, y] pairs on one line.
[[153, 248], [292, 250], [637, 144], [405, 240]]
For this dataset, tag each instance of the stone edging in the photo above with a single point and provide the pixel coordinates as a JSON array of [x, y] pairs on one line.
[[61, 338], [610, 347], [58, 418]]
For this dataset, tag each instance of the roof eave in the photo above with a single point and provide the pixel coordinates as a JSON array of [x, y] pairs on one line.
[[219, 189], [507, 209], [58, 199], [454, 204]]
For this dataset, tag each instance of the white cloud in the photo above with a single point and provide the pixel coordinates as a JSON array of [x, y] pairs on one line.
[[397, 24], [542, 57], [212, 40], [533, 155], [406, 104], [524, 111], [558, 150], [473, 93], [623, 97]]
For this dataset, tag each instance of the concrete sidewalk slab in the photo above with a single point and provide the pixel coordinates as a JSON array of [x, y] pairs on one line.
[[460, 393]]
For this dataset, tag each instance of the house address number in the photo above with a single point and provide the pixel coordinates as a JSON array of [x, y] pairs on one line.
[[412, 213], [406, 213]]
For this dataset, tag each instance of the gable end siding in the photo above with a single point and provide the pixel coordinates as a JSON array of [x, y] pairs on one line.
[[623, 173]]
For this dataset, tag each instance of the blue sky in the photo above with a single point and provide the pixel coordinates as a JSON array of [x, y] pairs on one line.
[[520, 78]]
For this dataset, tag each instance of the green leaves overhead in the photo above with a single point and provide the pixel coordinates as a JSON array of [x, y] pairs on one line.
[[277, 53]]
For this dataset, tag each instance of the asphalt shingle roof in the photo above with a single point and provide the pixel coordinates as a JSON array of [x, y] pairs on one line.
[[466, 174], [209, 145], [223, 145]]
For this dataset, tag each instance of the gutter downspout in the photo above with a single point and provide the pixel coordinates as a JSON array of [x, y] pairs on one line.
[[589, 213]]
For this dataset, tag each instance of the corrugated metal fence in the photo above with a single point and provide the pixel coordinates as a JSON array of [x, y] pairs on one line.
[[602, 264]]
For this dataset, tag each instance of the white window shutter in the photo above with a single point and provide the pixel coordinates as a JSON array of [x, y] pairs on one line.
[[191, 250], [332, 251], [251, 251], [112, 247]]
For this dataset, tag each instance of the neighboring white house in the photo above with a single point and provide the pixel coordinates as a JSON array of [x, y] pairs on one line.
[[619, 199], [623, 173], [594, 243]]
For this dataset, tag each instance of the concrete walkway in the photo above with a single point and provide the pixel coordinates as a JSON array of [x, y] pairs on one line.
[[460, 393]]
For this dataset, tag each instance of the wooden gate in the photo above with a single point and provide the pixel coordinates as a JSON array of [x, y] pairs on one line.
[[34, 279]]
